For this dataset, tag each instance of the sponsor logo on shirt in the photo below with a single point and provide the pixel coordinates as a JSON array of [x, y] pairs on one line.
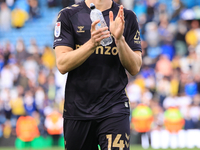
[[57, 40], [137, 38], [57, 29], [104, 50], [80, 29]]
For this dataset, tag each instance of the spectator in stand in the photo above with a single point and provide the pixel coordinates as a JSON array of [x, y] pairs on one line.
[[10, 3], [21, 53], [40, 98], [33, 47], [160, 11], [7, 52], [17, 104], [18, 17], [1, 62], [7, 77], [23, 80], [29, 103], [34, 50], [197, 49], [5, 97], [170, 101], [7, 129], [42, 80], [193, 35], [158, 113], [189, 124], [194, 62], [1, 130], [174, 83], [52, 3], [146, 96], [195, 113], [66, 3], [134, 92], [31, 67], [140, 81], [163, 88], [48, 58], [150, 10], [184, 101], [177, 6], [34, 11], [164, 66], [180, 43], [153, 40], [197, 80], [128, 4], [51, 93], [191, 87], [5, 15], [164, 34]]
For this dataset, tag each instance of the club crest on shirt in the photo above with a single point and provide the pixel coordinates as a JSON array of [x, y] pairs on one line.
[[57, 29]]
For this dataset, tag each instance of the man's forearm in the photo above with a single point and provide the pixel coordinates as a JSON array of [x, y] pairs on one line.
[[131, 60], [69, 60]]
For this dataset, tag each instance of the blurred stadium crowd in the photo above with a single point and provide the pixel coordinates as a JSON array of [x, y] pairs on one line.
[[30, 83]]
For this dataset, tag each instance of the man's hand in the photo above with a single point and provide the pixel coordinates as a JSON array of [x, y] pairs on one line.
[[117, 25], [98, 35]]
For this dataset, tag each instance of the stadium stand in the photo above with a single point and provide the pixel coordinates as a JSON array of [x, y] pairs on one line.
[[41, 28], [31, 85]]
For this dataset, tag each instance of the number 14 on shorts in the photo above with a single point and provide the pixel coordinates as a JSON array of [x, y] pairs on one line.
[[117, 142]]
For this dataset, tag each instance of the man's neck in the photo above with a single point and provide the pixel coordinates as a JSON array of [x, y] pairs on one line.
[[100, 4]]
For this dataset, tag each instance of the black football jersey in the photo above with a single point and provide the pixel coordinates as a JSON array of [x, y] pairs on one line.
[[96, 88]]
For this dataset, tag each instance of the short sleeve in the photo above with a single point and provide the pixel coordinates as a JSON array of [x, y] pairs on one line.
[[63, 33], [133, 33]]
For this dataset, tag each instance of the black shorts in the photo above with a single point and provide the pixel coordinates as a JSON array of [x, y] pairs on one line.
[[111, 133]]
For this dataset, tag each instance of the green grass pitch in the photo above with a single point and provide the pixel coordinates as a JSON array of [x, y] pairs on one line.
[[133, 147]]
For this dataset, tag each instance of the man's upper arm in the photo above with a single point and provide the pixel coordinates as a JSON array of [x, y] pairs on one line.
[[133, 33], [63, 32]]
